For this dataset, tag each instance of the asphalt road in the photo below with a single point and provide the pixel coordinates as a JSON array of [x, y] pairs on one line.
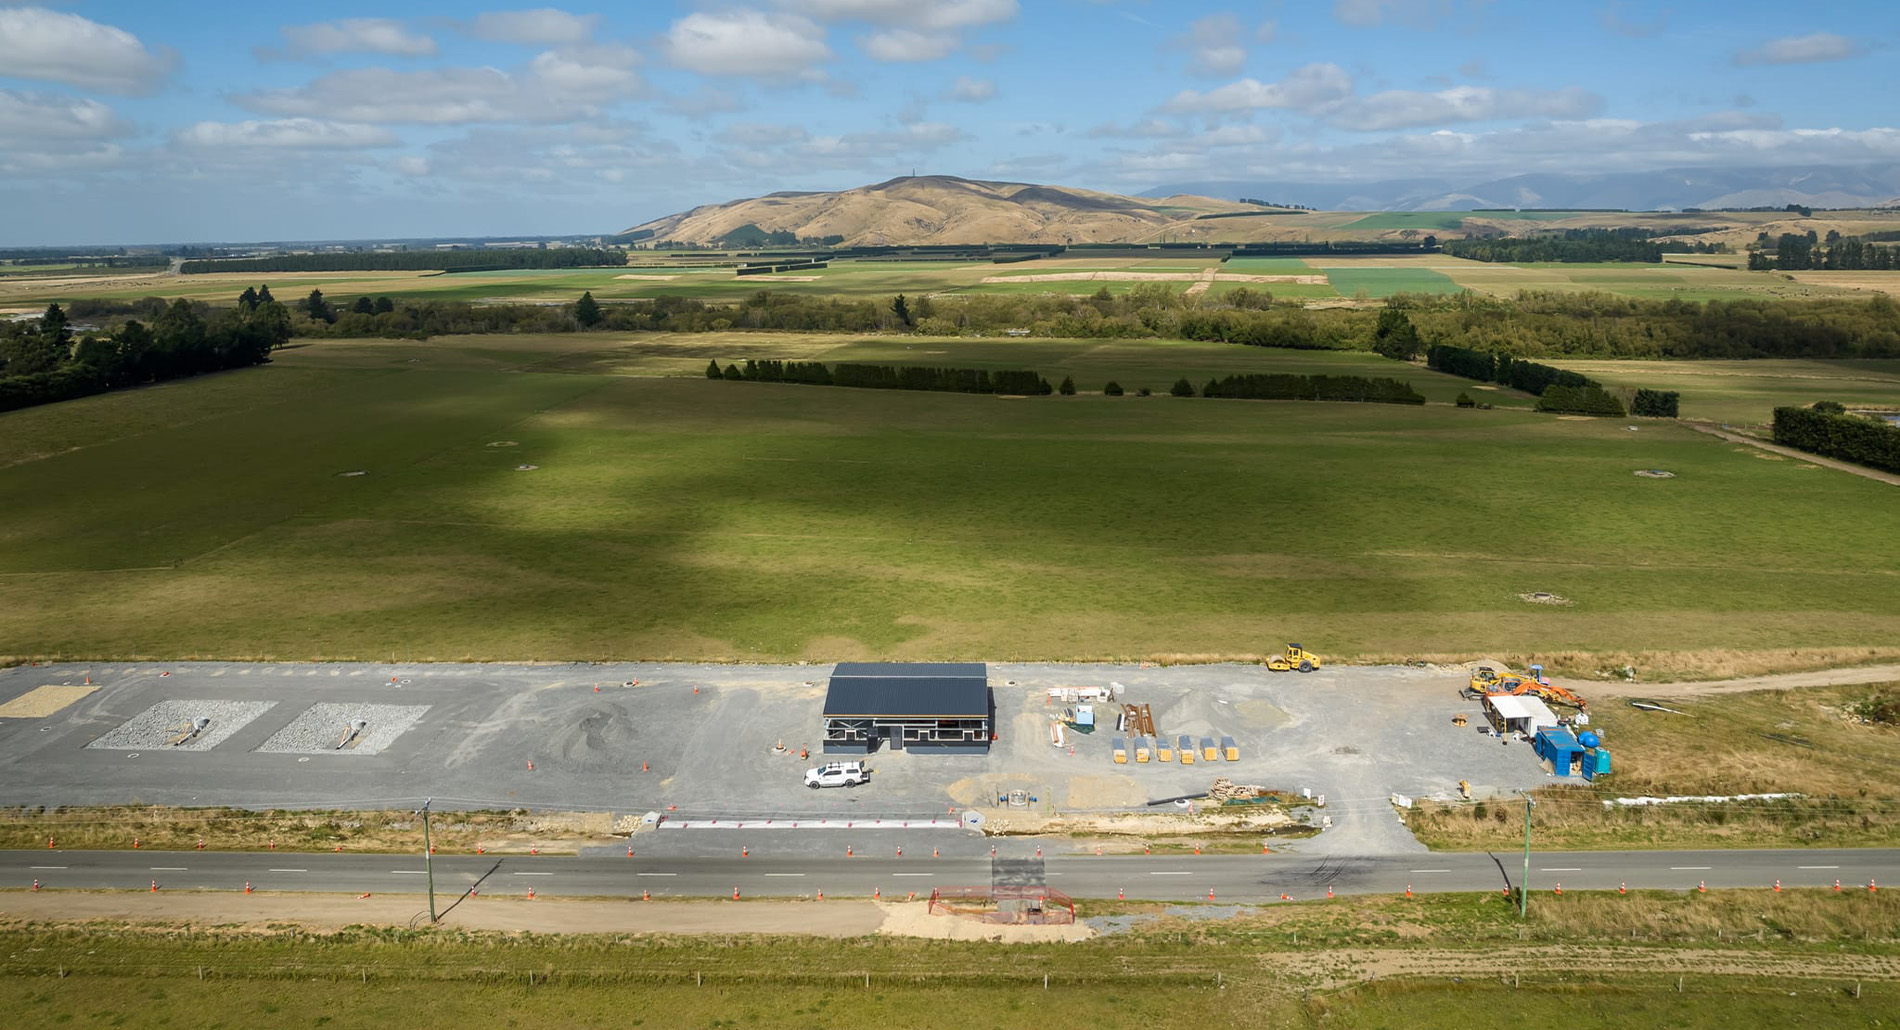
[[1237, 878]]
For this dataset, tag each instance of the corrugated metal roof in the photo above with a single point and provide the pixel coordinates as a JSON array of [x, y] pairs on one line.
[[1519, 707], [911, 670], [909, 690]]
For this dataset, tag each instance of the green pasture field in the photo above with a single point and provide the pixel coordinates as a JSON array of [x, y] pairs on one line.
[[691, 519], [1268, 266], [1431, 963], [1155, 364], [1680, 281], [1745, 393], [1376, 281]]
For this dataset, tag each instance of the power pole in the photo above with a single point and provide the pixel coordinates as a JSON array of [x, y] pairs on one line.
[[1524, 888], [428, 855]]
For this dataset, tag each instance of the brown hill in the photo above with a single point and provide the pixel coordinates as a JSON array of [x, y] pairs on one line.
[[944, 209]]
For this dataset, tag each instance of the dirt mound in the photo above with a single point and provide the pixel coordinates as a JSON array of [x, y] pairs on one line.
[[598, 737]]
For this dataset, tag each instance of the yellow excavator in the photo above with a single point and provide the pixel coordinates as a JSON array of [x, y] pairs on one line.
[[1295, 659]]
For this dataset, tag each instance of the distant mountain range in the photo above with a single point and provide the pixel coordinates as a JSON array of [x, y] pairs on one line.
[[933, 209], [1669, 189]]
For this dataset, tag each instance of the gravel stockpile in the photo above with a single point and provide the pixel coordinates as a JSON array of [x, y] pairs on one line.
[[155, 728], [322, 727]]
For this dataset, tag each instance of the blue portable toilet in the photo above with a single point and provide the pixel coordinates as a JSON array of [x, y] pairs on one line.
[[1596, 762], [1561, 753]]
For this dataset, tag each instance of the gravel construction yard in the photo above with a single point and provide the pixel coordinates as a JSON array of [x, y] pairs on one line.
[[704, 740], [158, 726], [344, 729]]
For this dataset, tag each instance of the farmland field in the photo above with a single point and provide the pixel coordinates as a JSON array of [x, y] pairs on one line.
[[684, 518], [1380, 280], [1745, 393]]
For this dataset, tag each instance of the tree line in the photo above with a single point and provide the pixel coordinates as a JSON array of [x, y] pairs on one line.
[[1559, 390], [40, 362], [1631, 244], [887, 377], [1283, 386], [413, 261], [1795, 252], [1827, 428], [1530, 325]]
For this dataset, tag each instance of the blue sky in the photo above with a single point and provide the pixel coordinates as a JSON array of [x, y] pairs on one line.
[[214, 121]]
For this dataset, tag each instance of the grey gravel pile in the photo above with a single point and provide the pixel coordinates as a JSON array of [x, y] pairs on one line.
[[319, 729], [152, 729]]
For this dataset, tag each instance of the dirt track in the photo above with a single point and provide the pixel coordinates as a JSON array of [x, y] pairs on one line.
[[1780, 681], [1812, 459]]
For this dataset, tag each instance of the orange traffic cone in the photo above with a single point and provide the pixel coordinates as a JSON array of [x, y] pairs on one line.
[[1284, 896], [1210, 894], [646, 895], [1121, 895], [1623, 887], [1837, 885], [1777, 886], [530, 765], [735, 894], [36, 886], [531, 894], [821, 895], [933, 852], [154, 886], [1560, 890], [247, 886], [877, 893], [49, 843], [900, 852], [1038, 851], [1197, 849], [1408, 890], [1870, 885], [1702, 887], [481, 849], [629, 851], [135, 844], [534, 849], [1329, 890], [745, 851]]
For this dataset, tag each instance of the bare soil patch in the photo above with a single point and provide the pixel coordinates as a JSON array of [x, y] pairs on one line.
[[542, 915], [43, 701]]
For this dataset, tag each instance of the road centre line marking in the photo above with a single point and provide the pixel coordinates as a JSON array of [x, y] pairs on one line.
[[408, 872], [1817, 867], [168, 869], [46, 867], [1688, 868], [656, 874], [1170, 872], [1561, 869], [798, 874], [1431, 870], [290, 870], [534, 874], [910, 874]]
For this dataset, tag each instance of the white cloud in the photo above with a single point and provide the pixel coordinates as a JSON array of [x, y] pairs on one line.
[[542, 26], [53, 46], [602, 71], [1315, 87], [1402, 109], [286, 133], [411, 165], [913, 14], [356, 36], [1818, 46], [970, 91], [908, 45], [744, 42], [556, 159], [1213, 45], [32, 118]]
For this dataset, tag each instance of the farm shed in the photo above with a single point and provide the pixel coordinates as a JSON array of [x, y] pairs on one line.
[[940, 707], [1516, 713]]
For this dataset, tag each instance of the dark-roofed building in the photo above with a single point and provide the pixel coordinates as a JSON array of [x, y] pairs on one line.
[[922, 706]]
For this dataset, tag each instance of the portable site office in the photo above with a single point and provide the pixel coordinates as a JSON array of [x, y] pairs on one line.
[[937, 707]]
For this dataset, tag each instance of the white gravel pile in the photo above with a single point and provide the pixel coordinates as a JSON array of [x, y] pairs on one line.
[[154, 728], [322, 727]]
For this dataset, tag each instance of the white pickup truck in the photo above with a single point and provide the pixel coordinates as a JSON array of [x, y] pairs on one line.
[[837, 774]]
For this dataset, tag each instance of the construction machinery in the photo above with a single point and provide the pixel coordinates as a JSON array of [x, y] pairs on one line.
[[1296, 658], [1487, 682]]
